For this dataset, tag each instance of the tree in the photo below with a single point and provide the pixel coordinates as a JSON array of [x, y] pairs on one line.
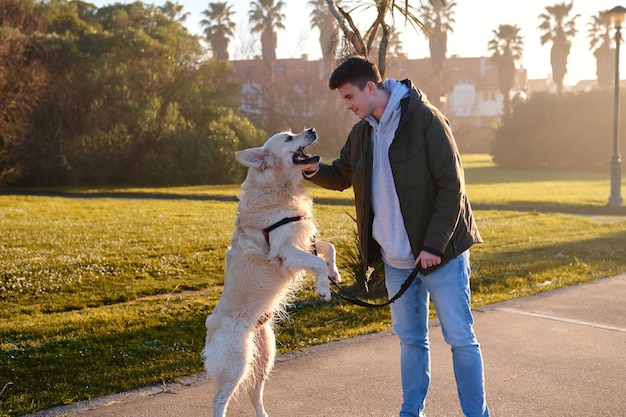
[[394, 43], [506, 47], [557, 132], [173, 10], [600, 43], [119, 93], [362, 43], [23, 81], [438, 20], [266, 16], [219, 28], [559, 31], [329, 32]]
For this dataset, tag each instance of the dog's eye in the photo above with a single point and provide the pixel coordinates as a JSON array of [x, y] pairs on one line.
[[289, 138]]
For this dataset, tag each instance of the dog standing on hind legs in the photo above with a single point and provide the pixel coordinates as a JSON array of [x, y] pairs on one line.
[[272, 246]]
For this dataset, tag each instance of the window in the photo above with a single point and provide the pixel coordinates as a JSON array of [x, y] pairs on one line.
[[251, 98]]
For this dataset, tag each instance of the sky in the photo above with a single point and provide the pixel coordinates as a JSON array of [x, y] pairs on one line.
[[475, 22]]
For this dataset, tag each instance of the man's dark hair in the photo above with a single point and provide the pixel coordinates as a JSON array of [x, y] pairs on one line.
[[355, 70]]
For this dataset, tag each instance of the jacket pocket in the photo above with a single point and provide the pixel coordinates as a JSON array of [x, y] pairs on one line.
[[407, 164]]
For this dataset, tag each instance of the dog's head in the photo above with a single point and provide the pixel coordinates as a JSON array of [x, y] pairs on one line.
[[283, 151]]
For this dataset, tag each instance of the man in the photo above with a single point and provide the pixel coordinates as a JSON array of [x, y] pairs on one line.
[[412, 211]]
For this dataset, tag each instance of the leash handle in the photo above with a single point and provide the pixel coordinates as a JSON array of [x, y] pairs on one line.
[[352, 299]]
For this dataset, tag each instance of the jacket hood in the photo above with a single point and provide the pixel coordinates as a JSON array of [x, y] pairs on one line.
[[414, 99], [397, 91]]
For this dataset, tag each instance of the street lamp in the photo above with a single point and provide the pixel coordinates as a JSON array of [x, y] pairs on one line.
[[443, 99], [617, 15]]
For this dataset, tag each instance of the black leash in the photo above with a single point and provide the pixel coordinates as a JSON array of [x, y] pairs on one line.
[[341, 293], [344, 295]]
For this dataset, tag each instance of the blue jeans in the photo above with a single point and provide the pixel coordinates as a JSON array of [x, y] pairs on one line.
[[449, 289]]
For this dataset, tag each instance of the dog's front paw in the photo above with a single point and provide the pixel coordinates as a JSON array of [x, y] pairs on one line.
[[323, 291], [325, 295], [334, 276]]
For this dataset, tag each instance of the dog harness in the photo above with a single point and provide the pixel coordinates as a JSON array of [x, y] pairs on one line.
[[267, 230]]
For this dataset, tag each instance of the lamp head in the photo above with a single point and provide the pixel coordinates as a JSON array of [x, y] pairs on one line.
[[617, 15]]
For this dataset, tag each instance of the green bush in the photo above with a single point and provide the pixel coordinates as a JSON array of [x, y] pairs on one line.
[[159, 168], [558, 132], [201, 156], [120, 94]]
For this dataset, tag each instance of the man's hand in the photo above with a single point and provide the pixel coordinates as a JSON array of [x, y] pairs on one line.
[[427, 259], [311, 172]]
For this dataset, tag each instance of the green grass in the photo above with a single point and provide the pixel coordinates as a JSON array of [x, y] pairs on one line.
[[101, 294], [580, 192], [64, 254]]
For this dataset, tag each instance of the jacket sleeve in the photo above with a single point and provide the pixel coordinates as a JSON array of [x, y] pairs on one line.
[[447, 173]]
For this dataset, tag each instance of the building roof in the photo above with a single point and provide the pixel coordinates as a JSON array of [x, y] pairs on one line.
[[479, 71]]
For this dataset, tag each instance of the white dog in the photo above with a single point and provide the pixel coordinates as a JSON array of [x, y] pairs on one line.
[[273, 244]]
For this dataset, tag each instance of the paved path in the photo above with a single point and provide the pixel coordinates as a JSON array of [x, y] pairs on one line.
[[558, 354]]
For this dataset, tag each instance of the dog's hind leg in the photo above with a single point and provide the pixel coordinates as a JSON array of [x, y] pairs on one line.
[[265, 351], [226, 384], [228, 354]]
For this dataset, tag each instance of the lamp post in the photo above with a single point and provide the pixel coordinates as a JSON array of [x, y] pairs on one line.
[[617, 15]]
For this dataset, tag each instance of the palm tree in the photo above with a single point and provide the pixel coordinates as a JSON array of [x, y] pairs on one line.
[[329, 32], [219, 28], [438, 20], [506, 47], [600, 43], [395, 47], [559, 31], [362, 43], [171, 10], [266, 16]]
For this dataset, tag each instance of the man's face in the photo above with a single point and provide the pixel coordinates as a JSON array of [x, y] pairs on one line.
[[360, 102]]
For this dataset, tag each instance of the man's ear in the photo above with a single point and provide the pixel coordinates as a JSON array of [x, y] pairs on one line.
[[254, 157]]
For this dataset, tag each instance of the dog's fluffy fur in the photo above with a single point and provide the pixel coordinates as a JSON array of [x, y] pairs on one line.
[[240, 343]]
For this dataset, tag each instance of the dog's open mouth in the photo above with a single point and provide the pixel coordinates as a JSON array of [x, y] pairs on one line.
[[300, 157]]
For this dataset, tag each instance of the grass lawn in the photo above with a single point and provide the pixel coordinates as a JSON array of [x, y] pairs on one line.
[[104, 290]]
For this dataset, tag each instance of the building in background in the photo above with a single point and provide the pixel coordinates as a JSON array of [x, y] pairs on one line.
[[466, 90]]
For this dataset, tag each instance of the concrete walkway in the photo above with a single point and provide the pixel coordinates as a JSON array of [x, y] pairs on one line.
[[561, 353]]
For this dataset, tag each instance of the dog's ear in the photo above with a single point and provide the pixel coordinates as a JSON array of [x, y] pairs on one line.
[[254, 157]]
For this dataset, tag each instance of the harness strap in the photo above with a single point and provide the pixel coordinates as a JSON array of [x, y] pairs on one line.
[[344, 295], [267, 230]]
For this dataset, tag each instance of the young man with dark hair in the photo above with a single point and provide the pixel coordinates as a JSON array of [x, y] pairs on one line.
[[412, 211]]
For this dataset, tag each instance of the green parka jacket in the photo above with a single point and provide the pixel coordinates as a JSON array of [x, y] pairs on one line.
[[428, 177]]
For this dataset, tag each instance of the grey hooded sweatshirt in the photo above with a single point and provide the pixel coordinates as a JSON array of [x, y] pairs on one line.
[[388, 226]]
